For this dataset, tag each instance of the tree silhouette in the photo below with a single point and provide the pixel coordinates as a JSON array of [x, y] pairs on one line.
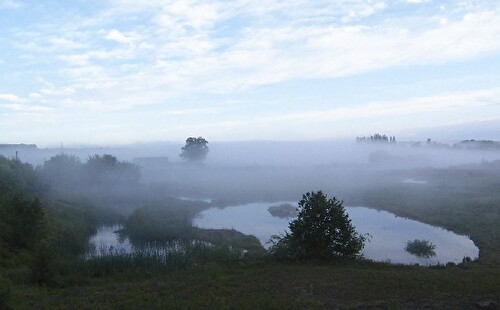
[[196, 149]]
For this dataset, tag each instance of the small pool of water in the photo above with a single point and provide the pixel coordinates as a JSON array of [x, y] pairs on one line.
[[414, 181], [108, 240], [388, 233]]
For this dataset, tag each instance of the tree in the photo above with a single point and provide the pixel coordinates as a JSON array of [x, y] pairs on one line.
[[322, 230], [108, 169], [63, 171], [23, 222], [196, 149]]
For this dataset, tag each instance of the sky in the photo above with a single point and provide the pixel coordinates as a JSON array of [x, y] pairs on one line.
[[126, 71]]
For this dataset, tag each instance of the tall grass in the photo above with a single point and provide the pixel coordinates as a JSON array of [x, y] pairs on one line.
[[176, 255]]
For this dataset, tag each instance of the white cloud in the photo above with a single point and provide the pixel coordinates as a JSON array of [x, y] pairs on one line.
[[417, 1], [58, 92], [9, 97], [64, 44], [441, 103], [117, 36], [25, 108], [174, 65], [176, 50], [184, 13], [10, 4], [395, 116]]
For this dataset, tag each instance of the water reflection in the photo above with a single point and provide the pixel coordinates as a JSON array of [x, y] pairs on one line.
[[414, 181], [107, 240], [389, 234]]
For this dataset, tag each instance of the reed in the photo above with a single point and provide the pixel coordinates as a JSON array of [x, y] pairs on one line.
[[171, 256]]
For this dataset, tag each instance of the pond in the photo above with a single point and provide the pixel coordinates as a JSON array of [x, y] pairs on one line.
[[388, 233], [414, 181], [109, 240]]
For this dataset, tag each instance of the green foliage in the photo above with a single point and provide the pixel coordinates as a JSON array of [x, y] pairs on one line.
[[196, 149], [22, 219], [66, 172], [22, 222], [162, 257], [322, 230], [232, 239], [16, 176], [72, 223], [5, 293], [421, 248], [160, 222], [107, 168], [42, 266], [63, 170]]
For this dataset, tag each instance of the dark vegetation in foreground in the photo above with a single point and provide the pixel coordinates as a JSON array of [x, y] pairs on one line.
[[45, 224]]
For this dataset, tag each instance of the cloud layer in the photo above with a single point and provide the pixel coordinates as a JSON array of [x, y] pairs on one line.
[[127, 58]]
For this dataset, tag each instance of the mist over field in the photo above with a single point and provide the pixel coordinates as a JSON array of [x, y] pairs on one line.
[[250, 171], [249, 154], [285, 153]]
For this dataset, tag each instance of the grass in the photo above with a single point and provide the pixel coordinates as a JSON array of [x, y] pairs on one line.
[[275, 286], [161, 258], [470, 207]]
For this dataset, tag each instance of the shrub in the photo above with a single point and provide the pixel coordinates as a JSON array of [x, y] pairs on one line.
[[420, 248], [322, 230]]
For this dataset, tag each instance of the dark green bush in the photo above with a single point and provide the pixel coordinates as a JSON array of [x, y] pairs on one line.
[[421, 248], [322, 230]]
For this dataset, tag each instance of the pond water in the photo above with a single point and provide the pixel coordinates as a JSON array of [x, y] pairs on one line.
[[388, 234], [107, 240], [414, 181]]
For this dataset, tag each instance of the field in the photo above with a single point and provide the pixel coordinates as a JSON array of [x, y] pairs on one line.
[[464, 199]]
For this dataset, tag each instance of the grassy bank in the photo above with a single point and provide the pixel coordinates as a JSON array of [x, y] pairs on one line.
[[276, 286]]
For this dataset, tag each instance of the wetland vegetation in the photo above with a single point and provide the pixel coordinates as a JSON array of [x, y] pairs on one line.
[[53, 216]]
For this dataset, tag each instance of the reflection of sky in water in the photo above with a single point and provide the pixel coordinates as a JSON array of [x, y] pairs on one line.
[[389, 233], [106, 240], [413, 181], [251, 219], [207, 200]]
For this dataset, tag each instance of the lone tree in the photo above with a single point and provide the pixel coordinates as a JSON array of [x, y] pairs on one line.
[[322, 230], [196, 149]]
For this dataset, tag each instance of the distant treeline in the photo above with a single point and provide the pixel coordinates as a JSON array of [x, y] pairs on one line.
[[478, 144], [66, 171], [377, 138], [18, 146]]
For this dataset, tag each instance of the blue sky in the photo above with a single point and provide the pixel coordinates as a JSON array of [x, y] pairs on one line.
[[123, 71]]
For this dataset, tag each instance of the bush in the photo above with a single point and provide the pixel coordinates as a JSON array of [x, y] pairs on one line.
[[322, 230], [421, 248]]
